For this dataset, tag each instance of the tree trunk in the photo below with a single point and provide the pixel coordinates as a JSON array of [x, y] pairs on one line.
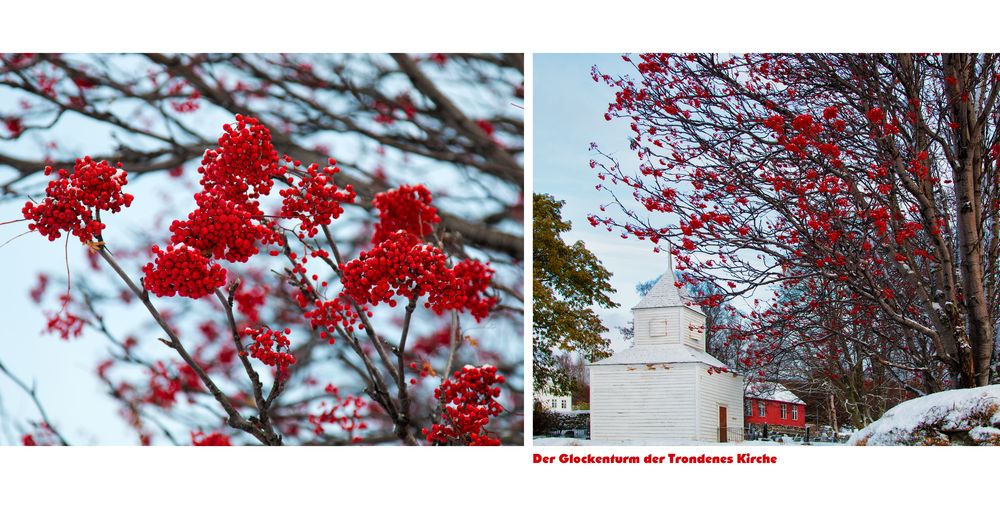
[[974, 355]]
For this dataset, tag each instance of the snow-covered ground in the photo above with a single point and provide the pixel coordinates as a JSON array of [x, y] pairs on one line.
[[953, 417], [576, 442]]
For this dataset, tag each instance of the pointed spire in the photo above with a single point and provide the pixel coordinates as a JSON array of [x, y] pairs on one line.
[[665, 292], [670, 259]]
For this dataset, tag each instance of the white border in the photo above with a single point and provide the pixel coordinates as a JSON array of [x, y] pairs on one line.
[[493, 488]]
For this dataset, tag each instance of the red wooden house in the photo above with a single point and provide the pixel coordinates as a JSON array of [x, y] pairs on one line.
[[774, 405]]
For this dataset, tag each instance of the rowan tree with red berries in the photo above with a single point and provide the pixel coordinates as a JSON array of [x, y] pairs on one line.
[[287, 296], [851, 200]]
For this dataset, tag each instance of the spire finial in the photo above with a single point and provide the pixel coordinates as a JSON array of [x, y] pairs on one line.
[[670, 258]]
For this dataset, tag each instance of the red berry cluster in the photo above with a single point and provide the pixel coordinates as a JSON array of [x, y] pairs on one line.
[[38, 290], [344, 412], [190, 101], [65, 324], [401, 265], [326, 315], [244, 162], [250, 300], [72, 200], [404, 208], [163, 388], [267, 345], [42, 435], [228, 222], [14, 126], [213, 438], [315, 200], [471, 279], [429, 345], [182, 270], [222, 228], [398, 265], [166, 384], [468, 402]]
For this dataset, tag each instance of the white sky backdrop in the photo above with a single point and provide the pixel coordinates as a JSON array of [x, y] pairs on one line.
[[569, 115]]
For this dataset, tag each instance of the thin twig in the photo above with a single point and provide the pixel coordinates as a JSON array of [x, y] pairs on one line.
[[452, 344], [404, 396], [38, 404], [258, 387], [235, 420]]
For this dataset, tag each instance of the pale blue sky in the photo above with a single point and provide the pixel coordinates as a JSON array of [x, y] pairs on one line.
[[568, 116]]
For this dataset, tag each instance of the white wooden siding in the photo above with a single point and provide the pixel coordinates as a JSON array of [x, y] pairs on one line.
[[693, 321], [640, 401], [714, 390], [667, 328]]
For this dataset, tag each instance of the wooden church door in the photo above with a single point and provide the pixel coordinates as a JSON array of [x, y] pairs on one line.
[[723, 426]]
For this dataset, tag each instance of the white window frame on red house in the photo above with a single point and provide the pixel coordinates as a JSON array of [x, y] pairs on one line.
[[748, 409], [795, 412], [761, 408], [784, 411]]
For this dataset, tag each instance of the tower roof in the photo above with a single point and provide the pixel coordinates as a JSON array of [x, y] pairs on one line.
[[661, 353], [665, 293]]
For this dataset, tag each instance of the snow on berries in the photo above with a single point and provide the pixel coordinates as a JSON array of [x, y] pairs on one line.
[[72, 200], [468, 401]]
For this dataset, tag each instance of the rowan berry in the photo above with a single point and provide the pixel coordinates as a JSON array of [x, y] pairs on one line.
[[315, 200], [244, 163], [182, 270], [213, 438], [222, 228], [405, 208], [468, 402], [72, 200], [269, 346]]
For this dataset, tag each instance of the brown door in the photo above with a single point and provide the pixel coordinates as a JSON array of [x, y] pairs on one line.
[[723, 426]]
